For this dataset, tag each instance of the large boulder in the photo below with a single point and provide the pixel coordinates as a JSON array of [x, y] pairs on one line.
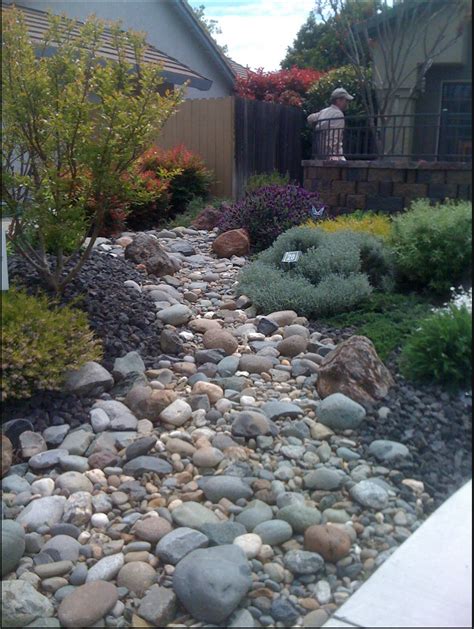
[[355, 370], [13, 545], [211, 582], [146, 249], [89, 381], [232, 243]]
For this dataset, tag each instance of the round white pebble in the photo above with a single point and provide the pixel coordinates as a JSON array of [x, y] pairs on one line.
[[249, 543], [100, 520]]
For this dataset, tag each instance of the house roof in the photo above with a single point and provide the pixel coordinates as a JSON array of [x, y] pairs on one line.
[[239, 70], [173, 70], [185, 10]]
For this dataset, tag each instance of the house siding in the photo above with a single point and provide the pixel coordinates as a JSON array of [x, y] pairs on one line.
[[164, 28]]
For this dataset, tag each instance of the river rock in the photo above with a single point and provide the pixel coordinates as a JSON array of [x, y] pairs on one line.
[[211, 582], [254, 513], [339, 412], [176, 413], [231, 487], [90, 380], [299, 516], [131, 362], [137, 577], [329, 541], [87, 604], [146, 249], [274, 532], [7, 454], [193, 515], [143, 464], [22, 604], [220, 339], [252, 424], [106, 568], [13, 545], [48, 510], [388, 451], [175, 315], [231, 243], [178, 543], [303, 562], [158, 606], [369, 494]]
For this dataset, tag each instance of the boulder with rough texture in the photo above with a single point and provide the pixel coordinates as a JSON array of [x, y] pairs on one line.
[[131, 362], [208, 218], [211, 582], [90, 380], [158, 606], [232, 243], [21, 604], [7, 454], [146, 249], [148, 403], [355, 370]]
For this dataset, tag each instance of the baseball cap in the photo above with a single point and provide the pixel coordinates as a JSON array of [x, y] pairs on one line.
[[340, 92]]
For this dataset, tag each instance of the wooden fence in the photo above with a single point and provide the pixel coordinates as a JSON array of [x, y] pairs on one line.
[[238, 138]]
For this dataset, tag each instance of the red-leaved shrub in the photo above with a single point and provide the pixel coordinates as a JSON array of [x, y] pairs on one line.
[[287, 87]]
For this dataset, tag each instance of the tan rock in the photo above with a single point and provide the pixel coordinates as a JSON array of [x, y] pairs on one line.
[[329, 541], [203, 325], [180, 446], [292, 346], [7, 454], [355, 370], [232, 243], [148, 403], [207, 457], [220, 339], [151, 529], [213, 391]]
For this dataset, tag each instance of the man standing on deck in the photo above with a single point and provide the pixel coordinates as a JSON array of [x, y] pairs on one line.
[[329, 127]]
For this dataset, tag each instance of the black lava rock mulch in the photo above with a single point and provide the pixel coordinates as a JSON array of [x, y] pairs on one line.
[[121, 317], [435, 425]]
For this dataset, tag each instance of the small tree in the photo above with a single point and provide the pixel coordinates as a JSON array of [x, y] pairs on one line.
[[73, 124], [387, 38]]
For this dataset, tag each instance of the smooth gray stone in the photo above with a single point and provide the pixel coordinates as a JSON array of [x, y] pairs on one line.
[[67, 547], [131, 362], [43, 511], [230, 487], [90, 380], [369, 494], [388, 451], [339, 412], [274, 532], [222, 532], [211, 582], [254, 513], [324, 478], [194, 515], [275, 409], [50, 458], [142, 464], [303, 562]]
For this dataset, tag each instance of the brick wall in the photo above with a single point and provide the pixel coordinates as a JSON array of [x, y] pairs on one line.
[[385, 186]]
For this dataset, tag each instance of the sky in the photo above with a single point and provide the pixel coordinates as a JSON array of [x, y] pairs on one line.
[[257, 32]]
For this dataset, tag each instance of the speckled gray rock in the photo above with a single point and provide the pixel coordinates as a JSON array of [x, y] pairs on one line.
[[48, 510], [252, 424], [50, 458], [175, 315], [73, 482], [211, 582], [21, 604], [369, 494], [178, 543], [340, 412], [303, 562], [158, 606]]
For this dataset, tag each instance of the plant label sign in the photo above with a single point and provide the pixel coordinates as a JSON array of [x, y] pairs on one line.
[[4, 257], [291, 257]]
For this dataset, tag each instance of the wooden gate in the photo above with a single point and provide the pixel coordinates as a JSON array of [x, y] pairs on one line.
[[237, 138]]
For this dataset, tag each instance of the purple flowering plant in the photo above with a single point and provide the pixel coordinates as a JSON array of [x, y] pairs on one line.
[[269, 211]]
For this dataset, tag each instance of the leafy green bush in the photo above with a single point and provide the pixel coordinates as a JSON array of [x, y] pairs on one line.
[[40, 342], [273, 178], [335, 272], [440, 349], [387, 319], [373, 257], [433, 245]]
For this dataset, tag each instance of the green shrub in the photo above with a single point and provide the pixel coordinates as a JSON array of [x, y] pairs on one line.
[[335, 273], [273, 178], [40, 342], [271, 289], [433, 245], [375, 258], [386, 319], [439, 351]]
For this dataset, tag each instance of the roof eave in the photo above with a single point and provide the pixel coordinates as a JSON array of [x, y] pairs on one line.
[[186, 11]]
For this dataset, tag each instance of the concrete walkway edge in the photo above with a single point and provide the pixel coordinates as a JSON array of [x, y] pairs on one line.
[[427, 582]]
